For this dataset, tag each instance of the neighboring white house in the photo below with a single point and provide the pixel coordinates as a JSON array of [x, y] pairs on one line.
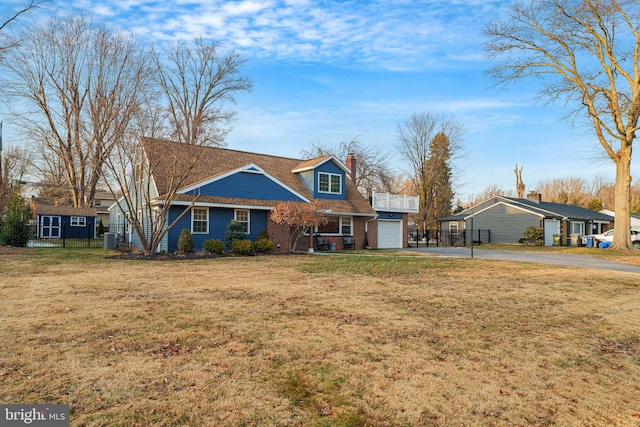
[[635, 218]]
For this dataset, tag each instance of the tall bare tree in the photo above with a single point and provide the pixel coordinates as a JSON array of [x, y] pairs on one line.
[[198, 83], [147, 174], [373, 172], [5, 22], [82, 84], [429, 144], [585, 53]]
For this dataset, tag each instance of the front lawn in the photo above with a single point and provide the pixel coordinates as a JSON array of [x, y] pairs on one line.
[[345, 340]]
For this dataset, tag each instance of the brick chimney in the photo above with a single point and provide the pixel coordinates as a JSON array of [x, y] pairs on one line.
[[536, 197], [351, 164]]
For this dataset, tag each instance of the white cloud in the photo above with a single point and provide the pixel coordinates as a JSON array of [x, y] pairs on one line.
[[399, 35]]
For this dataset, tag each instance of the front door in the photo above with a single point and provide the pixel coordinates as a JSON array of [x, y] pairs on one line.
[[551, 227], [50, 227]]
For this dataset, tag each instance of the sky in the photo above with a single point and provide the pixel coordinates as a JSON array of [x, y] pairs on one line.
[[325, 71]]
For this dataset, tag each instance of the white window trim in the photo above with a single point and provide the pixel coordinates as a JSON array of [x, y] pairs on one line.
[[339, 233], [330, 175], [80, 221], [452, 225], [193, 210], [581, 233], [235, 217], [343, 223]]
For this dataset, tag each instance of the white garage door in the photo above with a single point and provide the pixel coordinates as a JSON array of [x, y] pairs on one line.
[[389, 234]]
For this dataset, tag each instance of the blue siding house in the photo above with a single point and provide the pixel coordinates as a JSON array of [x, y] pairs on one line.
[[231, 185]]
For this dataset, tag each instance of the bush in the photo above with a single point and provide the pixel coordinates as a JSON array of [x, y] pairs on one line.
[[185, 241], [263, 246], [534, 234], [100, 228], [214, 246], [263, 235], [15, 230], [242, 247], [234, 232]]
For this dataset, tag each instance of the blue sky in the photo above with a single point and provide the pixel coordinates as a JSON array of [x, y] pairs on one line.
[[330, 70]]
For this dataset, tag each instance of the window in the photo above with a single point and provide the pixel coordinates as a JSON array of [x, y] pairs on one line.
[[337, 225], [200, 220], [242, 217], [78, 221], [329, 183], [577, 228], [345, 225]]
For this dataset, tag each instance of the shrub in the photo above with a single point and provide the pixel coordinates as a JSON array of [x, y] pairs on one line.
[[263, 235], [534, 234], [242, 247], [15, 230], [215, 246], [185, 241], [263, 246], [100, 228], [234, 232]]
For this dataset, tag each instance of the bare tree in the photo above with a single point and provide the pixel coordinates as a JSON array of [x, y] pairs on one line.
[[429, 144], [5, 42], [299, 217], [520, 185], [373, 172], [571, 190], [487, 193], [82, 83], [148, 174], [587, 54], [197, 82]]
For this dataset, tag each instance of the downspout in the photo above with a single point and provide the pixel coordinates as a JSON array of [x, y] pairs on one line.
[[365, 244]]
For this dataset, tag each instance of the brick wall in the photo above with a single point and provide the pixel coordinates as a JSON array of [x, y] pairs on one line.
[[279, 234]]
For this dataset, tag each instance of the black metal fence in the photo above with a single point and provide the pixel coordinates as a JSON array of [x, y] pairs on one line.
[[427, 238], [27, 235], [465, 238]]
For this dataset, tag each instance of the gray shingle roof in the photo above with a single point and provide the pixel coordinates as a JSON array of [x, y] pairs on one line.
[[548, 209]]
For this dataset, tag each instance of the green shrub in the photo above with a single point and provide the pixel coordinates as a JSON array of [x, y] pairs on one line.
[[242, 247], [263, 235], [234, 232], [534, 234], [215, 246], [100, 228], [15, 229], [185, 241], [263, 246]]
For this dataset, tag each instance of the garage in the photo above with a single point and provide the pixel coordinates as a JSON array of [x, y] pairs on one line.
[[389, 234]]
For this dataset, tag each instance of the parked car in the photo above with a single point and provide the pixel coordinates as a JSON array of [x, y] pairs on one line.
[[607, 236]]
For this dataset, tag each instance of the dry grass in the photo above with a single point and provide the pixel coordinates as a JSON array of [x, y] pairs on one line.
[[319, 341]]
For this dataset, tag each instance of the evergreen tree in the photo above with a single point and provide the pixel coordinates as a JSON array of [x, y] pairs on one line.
[[15, 230]]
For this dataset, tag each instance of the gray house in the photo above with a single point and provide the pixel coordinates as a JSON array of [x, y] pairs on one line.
[[505, 219]]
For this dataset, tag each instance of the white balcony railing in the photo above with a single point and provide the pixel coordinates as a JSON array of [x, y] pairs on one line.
[[394, 203]]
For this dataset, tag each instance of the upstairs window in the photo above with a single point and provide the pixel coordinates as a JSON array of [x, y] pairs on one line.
[[329, 183]]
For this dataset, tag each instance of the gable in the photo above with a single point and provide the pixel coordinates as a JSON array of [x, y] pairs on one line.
[[248, 183], [329, 170]]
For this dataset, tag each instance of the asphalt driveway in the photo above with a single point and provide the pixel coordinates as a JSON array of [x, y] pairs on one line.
[[584, 261]]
